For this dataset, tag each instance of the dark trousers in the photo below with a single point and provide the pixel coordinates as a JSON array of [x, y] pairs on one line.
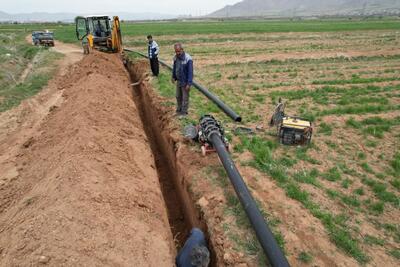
[[154, 66], [182, 99]]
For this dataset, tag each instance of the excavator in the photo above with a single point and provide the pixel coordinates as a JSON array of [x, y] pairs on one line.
[[98, 32]]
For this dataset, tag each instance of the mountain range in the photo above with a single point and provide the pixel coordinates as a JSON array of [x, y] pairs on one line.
[[245, 8], [69, 17], [292, 8]]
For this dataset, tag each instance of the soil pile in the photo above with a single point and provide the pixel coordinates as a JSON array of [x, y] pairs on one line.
[[85, 189]]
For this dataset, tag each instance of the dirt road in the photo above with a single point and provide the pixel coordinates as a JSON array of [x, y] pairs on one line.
[[78, 184]]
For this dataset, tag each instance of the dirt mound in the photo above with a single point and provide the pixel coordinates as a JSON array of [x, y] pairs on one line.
[[85, 189]]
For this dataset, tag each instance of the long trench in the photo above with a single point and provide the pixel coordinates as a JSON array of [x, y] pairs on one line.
[[181, 209]]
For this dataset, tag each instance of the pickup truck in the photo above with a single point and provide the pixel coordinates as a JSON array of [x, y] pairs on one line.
[[45, 38]]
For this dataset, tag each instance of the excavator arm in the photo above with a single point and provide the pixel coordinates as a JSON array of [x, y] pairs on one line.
[[116, 38]]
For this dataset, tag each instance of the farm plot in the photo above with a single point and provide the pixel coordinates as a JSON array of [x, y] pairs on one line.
[[335, 202]]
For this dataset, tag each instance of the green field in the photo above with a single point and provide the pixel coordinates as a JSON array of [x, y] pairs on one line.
[[66, 33], [344, 77]]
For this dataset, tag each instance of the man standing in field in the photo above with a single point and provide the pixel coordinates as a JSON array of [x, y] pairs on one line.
[[182, 74], [153, 51]]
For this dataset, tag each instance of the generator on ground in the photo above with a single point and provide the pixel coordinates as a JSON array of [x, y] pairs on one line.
[[291, 130]]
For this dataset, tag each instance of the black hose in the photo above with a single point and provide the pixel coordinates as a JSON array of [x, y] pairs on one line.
[[228, 111], [263, 233]]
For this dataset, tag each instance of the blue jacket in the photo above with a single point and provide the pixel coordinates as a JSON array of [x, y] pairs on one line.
[[196, 238], [153, 49], [186, 74]]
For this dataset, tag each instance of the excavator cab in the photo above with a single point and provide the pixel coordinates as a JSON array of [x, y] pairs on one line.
[[99, 32]]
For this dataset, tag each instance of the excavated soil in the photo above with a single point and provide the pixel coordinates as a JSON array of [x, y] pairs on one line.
[[80, 184]]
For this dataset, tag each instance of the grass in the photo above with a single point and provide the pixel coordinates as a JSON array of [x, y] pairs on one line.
[[395, 253], [305, 257], [307, 177], [263, 160], [357, 80], [164, 85], [256, 26], [365, 166], [377, 207], [358, 109], [332, 175], [361, 155], [396, 183], [14, 95], [346, 183], [13, 90], [395, 163], [372, 240], [380, 191], [359, 191], [325, 129], [374, 126], [66, 32]]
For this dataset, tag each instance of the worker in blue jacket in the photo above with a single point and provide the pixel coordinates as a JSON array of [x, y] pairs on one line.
[[194, 253], [182, 74], [153, 49]]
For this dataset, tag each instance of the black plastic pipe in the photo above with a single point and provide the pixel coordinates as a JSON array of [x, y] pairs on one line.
[[228, 111], [263, 233]]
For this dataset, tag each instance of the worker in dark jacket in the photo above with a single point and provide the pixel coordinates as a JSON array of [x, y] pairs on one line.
[[194, 253], [182, 74], [153, 50]]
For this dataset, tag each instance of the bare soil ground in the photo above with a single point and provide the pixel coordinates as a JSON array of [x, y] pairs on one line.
[[78, 184]]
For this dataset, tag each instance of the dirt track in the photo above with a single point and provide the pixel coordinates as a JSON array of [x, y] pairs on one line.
[[80, 185]]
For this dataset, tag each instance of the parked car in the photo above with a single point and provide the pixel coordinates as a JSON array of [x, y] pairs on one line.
[[45, 38]]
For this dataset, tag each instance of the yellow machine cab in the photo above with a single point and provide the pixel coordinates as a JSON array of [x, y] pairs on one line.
[[99, 32]]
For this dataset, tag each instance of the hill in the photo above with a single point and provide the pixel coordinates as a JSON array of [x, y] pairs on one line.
[[291, 8]]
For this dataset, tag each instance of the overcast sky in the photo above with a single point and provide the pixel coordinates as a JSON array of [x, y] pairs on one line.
[[174, 7]]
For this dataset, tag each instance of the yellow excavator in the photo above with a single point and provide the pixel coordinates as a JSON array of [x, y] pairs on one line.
[[97, 32]]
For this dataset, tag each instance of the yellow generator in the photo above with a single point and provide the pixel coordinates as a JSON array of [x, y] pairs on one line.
[[97, 32], [291, 130]]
